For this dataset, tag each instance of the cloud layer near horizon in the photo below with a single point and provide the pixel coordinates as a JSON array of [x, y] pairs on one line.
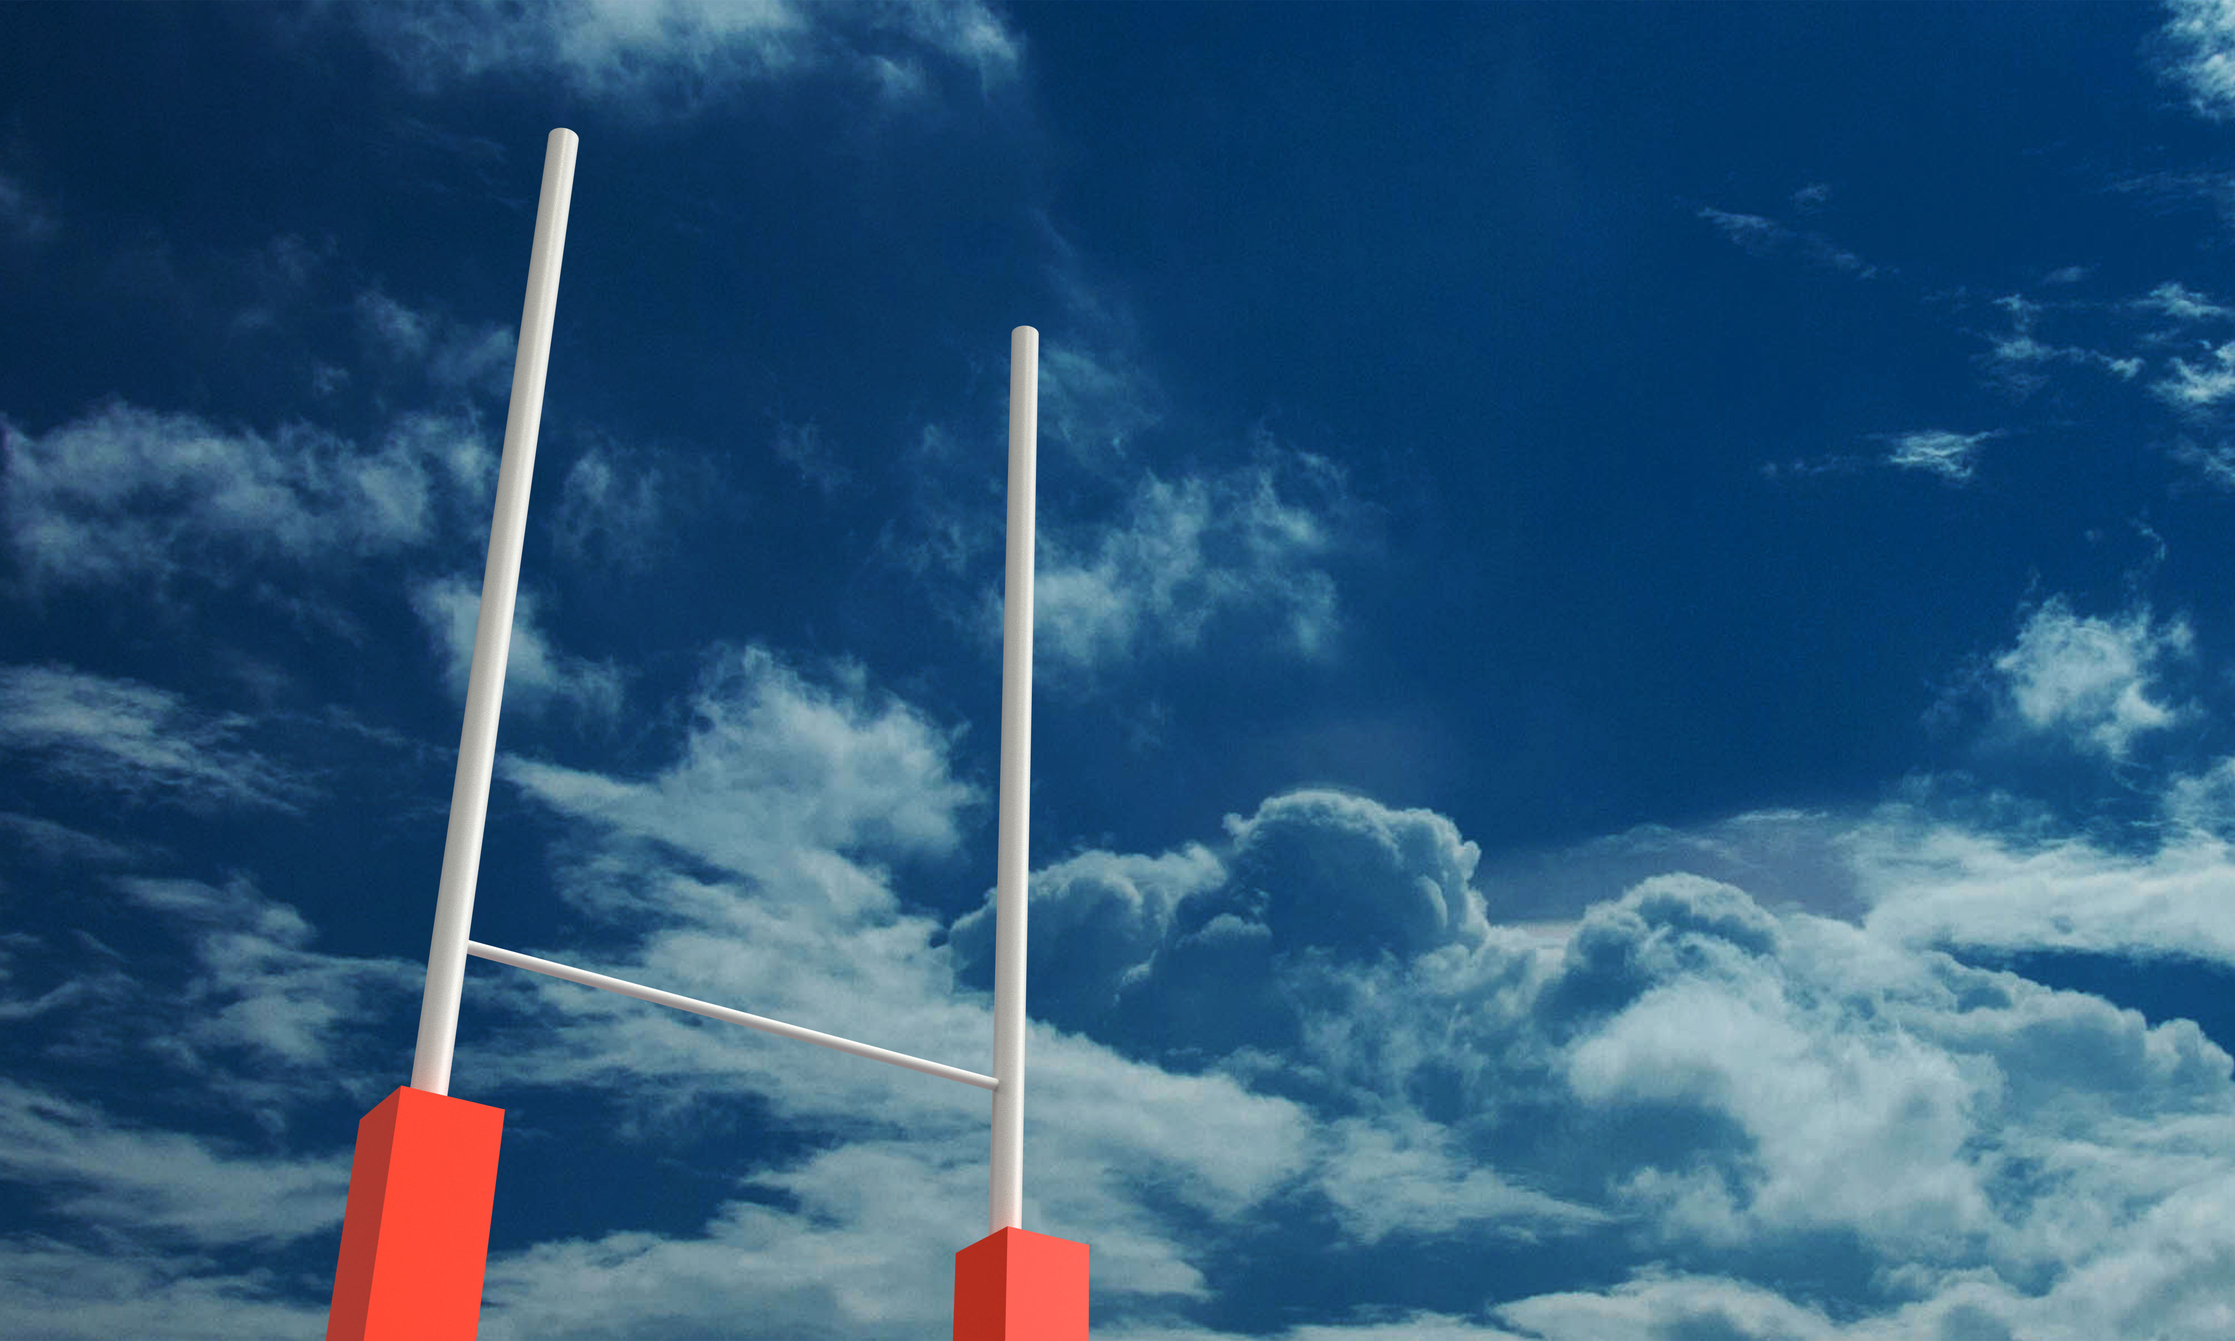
[[1305, 1040]]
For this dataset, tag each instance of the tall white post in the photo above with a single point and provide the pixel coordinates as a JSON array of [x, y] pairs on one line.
[[1006, 1207], [492, 637]]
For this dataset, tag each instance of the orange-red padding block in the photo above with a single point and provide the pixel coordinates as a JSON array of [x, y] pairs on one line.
[[1013, 1285], [415, 1238]]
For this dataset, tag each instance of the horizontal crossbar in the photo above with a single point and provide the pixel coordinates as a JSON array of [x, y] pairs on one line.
[[714, 1012]]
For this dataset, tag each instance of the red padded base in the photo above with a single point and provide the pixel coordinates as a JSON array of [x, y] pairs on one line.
[[1013, 1285], [415, 1239]]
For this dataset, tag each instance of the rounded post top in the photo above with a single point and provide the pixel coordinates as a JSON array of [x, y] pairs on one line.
[[564, 136]]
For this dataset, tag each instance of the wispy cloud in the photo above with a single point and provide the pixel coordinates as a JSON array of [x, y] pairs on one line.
[[2199, 54], [452, 354], [618, 505], [778, 767], [1093, 404], [537, 675], [61, 1290], [128, 495], [1952, 456], [258, 987], [658, 55], [807, 450], [2201, 386], [158, 1184], [1936, 882], [1759, 235], [2018, 354], [137, 741], [2178, 301], [1248, 547], [2091, 679]]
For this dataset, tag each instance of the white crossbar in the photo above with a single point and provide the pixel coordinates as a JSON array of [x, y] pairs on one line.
[[714, 1012]]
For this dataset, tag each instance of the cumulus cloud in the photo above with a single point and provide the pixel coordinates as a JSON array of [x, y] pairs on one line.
[[128, 495], [660, 54], [756, 896], [537, 675], [137, 741], [1311, 875], [1299, 1042], [1737, 1085], [1248, 547], [2091, 679], [1306, 1035]]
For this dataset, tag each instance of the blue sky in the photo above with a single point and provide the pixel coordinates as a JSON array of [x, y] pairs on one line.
[[1634, 667]]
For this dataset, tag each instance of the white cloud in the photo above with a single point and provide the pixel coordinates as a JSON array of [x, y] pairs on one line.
[[63, 1291], [1750, 231], [2194, 387], [2014, 1155], [1405, 1175], [1093, 405], [1952, 456], [2091, 678], [537, 675], [1319, 1044], [1760, 236], [2178, 301], [1188, 554], [59, 844], [2018, 354], [2215, 464], [780, 774], [452, 354], [2200, 40], [159, 1184], [1945, 884], [652, 53], [126, 495], [613, 509], [806, 449], [1784, 858], [1659, 1304], [813, 937], [137, 741], [258, 986]]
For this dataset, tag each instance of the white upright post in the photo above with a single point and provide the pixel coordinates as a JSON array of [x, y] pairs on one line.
[[1006, 1207], [492, 637]]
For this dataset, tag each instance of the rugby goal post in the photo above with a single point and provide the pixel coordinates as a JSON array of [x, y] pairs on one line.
[[422, 1186]]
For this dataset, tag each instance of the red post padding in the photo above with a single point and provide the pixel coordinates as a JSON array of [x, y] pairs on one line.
[[1013, 1285], [415, 1238]]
